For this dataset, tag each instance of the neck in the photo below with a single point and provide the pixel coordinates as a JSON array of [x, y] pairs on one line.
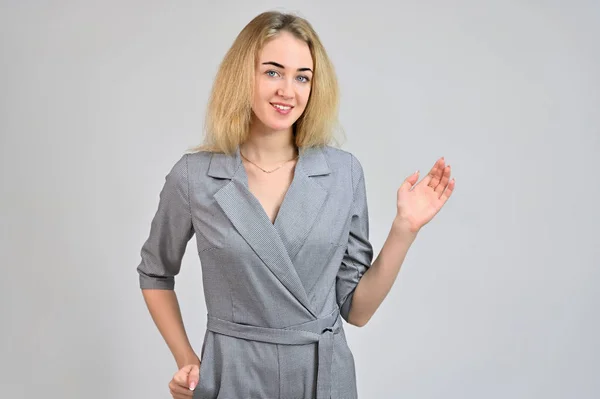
[[269, 146]]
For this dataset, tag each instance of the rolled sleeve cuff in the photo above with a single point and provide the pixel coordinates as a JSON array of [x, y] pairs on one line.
[[156, 282]]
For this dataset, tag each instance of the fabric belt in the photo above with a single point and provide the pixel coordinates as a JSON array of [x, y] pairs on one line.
[[319, 330]]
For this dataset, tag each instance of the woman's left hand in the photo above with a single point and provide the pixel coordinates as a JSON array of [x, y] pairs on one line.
[[419, 203]]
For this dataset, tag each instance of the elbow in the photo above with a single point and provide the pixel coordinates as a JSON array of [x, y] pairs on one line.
[[361, 323], [351, 315], [358, 321], [355, 324]]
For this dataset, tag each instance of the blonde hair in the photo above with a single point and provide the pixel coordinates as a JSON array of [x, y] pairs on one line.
[[229, 110]]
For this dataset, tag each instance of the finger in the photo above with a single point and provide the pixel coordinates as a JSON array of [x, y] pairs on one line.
[[409, 182], [443, 182], [448, 191], [194, 377], [179, 391], [182, 396], [181, 376], [181, 383], [429, 180], [436, 173]]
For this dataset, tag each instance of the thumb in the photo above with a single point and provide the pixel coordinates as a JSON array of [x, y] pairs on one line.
[[193, 377], [410, 181]]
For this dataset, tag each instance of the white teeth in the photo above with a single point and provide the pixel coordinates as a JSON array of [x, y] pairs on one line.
[[281, 107]]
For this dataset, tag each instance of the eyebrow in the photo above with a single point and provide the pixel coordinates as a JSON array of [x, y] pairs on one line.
[[278, 65]]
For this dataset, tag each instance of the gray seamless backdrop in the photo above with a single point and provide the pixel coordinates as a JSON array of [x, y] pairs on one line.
[[498, 297]]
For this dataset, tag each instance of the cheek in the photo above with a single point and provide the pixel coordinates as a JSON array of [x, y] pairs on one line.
[[303, 95], [261, 91], [260, 97], [259, 87]]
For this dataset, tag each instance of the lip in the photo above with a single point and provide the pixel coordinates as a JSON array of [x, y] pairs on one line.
[[282, 111]]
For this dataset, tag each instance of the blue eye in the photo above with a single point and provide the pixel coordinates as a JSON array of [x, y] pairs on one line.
[[306, 79], [271, 71]]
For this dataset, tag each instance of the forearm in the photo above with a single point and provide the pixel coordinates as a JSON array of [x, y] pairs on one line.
[[164, 309], [377, 281]]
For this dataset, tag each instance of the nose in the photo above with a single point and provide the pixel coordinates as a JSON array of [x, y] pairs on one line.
[[286, 89]]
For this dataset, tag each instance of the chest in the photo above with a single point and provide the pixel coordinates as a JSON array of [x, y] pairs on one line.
[[270, 188], [245, 210]]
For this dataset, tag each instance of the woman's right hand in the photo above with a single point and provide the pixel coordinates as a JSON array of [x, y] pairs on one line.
[[185, 381]]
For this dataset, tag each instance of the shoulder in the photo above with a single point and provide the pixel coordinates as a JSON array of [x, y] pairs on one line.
[[188, 164], [343, 161], [198, 162], [198, 157], [189, 160]]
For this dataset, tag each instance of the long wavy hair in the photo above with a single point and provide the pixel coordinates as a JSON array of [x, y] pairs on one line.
[[229, 110]]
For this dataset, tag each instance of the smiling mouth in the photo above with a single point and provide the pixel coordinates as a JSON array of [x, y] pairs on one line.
[[282, 107]]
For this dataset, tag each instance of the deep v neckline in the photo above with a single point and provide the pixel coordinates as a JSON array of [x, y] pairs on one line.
[[275, 243], [275, 223]]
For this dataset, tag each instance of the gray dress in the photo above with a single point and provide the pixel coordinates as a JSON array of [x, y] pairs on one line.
[[275, 293]]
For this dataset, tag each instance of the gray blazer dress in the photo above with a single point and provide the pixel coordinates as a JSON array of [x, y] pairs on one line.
[[274, 292]]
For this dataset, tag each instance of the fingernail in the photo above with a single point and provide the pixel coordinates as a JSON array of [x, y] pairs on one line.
[[416, 173], [192, 386]]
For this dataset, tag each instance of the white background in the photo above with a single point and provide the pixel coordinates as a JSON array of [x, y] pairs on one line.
[[498, 297]]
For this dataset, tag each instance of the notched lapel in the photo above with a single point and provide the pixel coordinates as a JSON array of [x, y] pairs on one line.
[[250, 220], [303, 201]]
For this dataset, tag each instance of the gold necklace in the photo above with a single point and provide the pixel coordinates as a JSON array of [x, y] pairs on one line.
[[269, 171]]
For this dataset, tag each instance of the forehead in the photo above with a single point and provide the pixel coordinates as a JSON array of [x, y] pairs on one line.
[[287, 50]]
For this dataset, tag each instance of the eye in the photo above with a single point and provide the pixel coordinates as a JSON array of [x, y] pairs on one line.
[[304, 79], [272, 73]]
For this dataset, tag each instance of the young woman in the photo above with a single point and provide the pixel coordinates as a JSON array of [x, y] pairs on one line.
[[281, 224]]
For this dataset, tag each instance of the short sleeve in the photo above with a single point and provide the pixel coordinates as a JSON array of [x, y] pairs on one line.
[[359, 252], [170, 231]]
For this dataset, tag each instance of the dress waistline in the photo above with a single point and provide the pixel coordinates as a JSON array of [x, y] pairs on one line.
[[319, 330]]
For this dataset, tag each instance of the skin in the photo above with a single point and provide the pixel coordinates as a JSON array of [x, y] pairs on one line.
[[282, 77]]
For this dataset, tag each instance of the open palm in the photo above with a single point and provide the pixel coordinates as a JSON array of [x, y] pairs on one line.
[[419, 203]]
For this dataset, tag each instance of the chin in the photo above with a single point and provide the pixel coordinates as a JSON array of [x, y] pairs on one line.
[[276, 123], [280, 126]]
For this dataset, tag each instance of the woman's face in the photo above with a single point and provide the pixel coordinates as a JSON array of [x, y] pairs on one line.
[[282, 83]]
